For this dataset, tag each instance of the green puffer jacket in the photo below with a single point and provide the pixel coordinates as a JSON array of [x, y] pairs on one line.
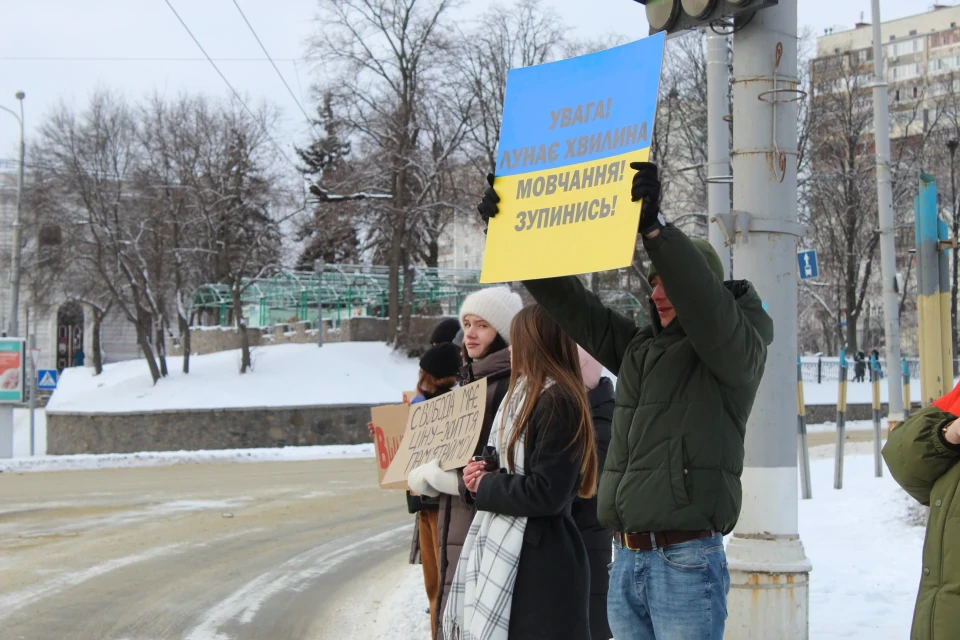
[[926, 465], [683, 393]]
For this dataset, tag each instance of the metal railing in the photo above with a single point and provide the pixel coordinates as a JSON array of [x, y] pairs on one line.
[[828, 369]]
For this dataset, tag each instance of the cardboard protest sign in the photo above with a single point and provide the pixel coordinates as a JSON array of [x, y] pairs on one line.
[[390, 423], [570, 131], [446, 428]]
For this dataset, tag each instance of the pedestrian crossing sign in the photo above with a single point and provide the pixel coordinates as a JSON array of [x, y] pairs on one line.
[[47, 379]]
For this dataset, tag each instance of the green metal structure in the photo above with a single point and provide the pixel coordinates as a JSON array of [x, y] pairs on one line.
[[345, 290]]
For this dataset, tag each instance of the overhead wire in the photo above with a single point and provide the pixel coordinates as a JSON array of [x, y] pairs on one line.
[[275, 68], [227, 82], [133, 59]]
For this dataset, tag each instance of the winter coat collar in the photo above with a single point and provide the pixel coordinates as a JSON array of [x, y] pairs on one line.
[[495, 365]]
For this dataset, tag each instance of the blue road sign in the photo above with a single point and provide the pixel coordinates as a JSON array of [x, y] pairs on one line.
[[47, 379], [808, 264]]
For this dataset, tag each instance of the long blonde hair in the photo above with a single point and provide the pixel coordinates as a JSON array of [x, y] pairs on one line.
[[542, 351]]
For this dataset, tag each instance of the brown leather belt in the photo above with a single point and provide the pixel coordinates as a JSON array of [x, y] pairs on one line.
[[658, 539]]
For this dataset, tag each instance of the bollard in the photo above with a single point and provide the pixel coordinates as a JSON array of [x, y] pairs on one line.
[[819, 369], [907, 400], [802, 436], [875, 382], [841, 421]]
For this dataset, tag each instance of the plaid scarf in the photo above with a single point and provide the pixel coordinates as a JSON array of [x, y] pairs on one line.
[[481, 596]]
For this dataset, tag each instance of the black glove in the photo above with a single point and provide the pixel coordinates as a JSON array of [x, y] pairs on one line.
[[488, 205], [646, 186]]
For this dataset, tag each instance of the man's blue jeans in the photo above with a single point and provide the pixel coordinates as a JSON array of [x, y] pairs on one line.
[[673, 593]]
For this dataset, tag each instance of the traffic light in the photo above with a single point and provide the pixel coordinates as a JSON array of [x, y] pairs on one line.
[[678, 15]]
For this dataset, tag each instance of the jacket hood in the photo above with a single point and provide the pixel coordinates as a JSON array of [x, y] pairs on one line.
[[747, 299]]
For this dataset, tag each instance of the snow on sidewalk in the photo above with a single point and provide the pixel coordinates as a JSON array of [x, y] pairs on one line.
[[865, 550], [826, 393], [167, 458]]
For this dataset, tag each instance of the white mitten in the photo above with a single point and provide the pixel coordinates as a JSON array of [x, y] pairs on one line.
[[443, 481], [417, 482]]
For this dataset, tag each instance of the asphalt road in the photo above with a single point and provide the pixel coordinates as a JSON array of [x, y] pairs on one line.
[[198, 552], [262, 551]]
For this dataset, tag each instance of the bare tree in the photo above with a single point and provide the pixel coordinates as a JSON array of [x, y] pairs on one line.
[[387, 56], [91, 164], [840, 190], [238, 207], [504, 38]]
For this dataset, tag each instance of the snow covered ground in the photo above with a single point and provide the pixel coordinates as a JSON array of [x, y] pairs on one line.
[[21, 461], [168, 458], [283, 376], [864, 549], [825, 393], [286, 376]]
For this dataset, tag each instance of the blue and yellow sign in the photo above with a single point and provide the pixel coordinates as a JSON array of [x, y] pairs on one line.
[[570, 131]]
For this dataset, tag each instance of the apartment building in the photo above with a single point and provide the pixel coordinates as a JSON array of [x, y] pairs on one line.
[[921, 63]]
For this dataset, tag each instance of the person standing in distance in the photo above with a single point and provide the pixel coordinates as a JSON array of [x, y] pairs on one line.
[[670, 487]]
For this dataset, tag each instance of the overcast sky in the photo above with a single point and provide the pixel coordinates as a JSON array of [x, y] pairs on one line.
[[103, 44]]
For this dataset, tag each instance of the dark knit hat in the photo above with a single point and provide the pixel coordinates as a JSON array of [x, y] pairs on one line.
[[708, 252], [446, 331], [441, 361]]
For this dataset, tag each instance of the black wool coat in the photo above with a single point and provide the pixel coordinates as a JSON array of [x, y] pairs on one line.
[[597, 539], [552, 589]]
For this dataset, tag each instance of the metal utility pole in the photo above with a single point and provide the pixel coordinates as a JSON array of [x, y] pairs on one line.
[[769, 569], [888, 256], [13, 328], [718, 142], [952, 145]]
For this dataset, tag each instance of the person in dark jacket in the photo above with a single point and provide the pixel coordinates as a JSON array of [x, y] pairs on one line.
[[596, 538], [445, 331], [439, 367], [686, 383], [485, 317], [859, 367], [524, 568], [923, 454]]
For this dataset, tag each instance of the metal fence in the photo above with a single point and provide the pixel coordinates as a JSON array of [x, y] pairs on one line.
[[828, 369]]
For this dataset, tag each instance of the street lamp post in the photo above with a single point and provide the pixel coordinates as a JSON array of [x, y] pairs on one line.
[[952, 145], [14, 329]]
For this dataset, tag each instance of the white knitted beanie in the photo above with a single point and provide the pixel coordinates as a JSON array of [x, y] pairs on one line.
[[496, 305]]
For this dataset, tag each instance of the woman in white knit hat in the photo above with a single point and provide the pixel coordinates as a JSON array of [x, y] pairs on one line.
[[485, 317]]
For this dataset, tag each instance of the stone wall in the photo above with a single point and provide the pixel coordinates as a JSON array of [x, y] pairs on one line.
[[211, 429], [69, 433], [217, 339], [822, 414]]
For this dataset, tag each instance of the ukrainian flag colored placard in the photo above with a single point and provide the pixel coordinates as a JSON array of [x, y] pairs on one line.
[[570, 131]]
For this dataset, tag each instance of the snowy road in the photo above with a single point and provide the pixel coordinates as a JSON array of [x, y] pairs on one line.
[[200, 552]]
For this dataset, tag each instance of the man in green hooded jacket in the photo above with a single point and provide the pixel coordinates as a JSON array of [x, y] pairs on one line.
[[923, 454], [670, 488]]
